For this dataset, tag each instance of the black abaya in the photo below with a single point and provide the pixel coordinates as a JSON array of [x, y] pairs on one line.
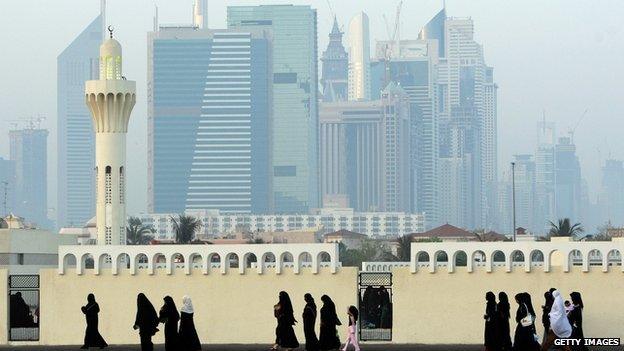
[[328, 338], [490, 334], [92, 335], [170, 316], [576, 321], [285, 334], [524, 338], [502, 327], [309, 321], [146, 321], [189, 340]]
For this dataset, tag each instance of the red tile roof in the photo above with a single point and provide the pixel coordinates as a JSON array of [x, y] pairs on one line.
[[444, 231]]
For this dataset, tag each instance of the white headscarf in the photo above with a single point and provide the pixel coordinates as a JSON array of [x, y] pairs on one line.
[[187, 306], [558, 319]]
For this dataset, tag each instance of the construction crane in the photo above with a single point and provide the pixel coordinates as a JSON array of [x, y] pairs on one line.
[[394, 41], [573, 130]]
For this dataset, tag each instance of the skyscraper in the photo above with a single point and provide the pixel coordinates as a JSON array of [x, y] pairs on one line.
[[525, 193], [7, 186], [294, 134], [110, 100], [413, 64], [359, 58], [545, 175], [335, 68], [76, 148], [567, 180], [365, 152], [612, 194], [200, 14], [209, 119], [29, 152]]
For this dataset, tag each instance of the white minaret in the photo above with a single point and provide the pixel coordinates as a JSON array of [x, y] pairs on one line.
[[110, 99]]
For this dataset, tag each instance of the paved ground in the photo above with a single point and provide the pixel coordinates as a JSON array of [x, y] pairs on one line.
[[366, 347]]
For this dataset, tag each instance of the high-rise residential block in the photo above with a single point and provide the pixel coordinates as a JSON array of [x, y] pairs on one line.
[[359, 58], [294, 127]]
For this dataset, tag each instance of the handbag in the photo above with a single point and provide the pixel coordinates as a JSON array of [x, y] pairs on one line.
[[527, 321]]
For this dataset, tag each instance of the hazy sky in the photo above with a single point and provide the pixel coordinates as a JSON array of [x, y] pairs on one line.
[[560, 56]]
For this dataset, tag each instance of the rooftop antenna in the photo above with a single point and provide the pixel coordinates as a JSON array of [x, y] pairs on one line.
[[331, 9], [155, 18], [103, 15]]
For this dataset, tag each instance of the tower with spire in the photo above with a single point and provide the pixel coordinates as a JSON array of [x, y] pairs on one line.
[[110, 100], [335, 68]]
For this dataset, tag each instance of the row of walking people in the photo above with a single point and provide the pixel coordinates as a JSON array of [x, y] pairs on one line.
[[177, 338], [328, 339], [558, 321]]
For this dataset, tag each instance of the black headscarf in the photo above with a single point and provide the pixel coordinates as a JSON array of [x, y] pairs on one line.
[[527, 301], [576, 299], [169, 309], [310, 302], [503, 305], [328, 311], [146, 317], [354, 312], [90, 299], [286, 308]]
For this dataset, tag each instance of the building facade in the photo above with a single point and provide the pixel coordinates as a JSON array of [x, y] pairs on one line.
[[29, 153], [7, 186], [76, 146], [294, 135], [567, 180], [526, 209], [545, 175], [209, 120], [335, 69], [359, 58], [372, 224], [612, 194]]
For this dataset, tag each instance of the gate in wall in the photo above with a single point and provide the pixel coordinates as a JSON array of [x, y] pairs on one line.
[[375, 306], [23, 308]]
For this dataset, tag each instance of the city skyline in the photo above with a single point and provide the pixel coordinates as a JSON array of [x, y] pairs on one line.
[[502, 116]]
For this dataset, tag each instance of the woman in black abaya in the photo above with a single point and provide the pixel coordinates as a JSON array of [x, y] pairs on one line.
[[170, 317], [285, 315], [309, 321], [503, 315], [524, 338], [92, 335], [490, 335], [576, 320], [146, 322], [328, 339], [189, 341]]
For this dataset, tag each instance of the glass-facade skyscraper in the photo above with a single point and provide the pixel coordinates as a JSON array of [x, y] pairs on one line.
[[76, 149], [294, 136], [209, 120]]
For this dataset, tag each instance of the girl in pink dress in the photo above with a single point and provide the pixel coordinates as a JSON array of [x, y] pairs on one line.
[[352, 331]]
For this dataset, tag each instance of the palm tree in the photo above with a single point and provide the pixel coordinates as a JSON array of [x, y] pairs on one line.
[[185, 228], [404, 248], [564, 228], [137, 233]]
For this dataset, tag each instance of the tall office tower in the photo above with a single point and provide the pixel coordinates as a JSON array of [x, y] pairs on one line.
[[110, 100], [489, 147], [365, 152], [567, 180], [435, 30], [359, 58], [76, 147], [504, 214], [466, 106], [209, 119], [29, 152], [294, 135], [200, 14], [612, 194], [545, 176], [412, 64], [335, 68], [525, 193], [7, 186]]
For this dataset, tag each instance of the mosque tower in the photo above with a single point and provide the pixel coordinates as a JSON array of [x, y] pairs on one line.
[[110, 100]]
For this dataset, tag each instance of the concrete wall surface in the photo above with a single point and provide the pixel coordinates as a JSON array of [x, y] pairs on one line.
[[4, 307], [448, 308], [229, 308]]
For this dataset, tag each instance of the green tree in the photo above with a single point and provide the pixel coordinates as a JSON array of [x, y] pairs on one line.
[[185, 228], [404, 248], [137, 233], [564, 228]]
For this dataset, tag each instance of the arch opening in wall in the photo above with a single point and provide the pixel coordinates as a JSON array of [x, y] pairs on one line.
[[305, 259], [268, 259], [177, 260], [104, 261], [441, 257], [478, 257], [537, 257], [88, 262], [196, 260], [461, 259], [614, 258], [422, 257], [123, 261], [232, 260], [324, 257], [160, 261], [215, 260], [517, 256], [575, 258], [69, 261], [287, 257], [498, 257], [595, 257], [251, 260], [141, 261]]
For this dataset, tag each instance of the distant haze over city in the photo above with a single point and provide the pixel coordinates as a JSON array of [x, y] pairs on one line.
[[555, 58]]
